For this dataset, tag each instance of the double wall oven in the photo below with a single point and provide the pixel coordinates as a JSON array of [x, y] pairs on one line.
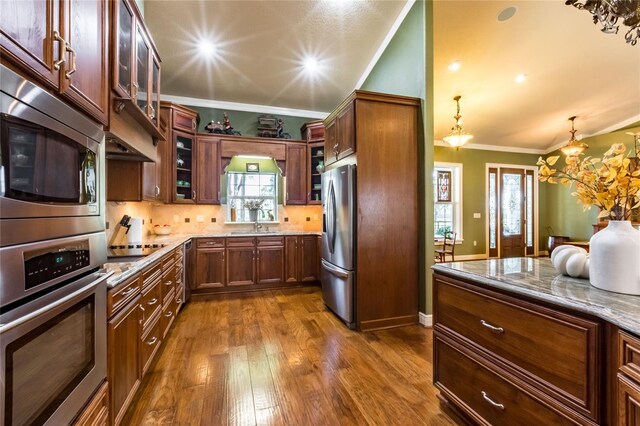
[[52, 246]]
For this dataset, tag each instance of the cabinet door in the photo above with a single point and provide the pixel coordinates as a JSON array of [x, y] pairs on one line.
[[331, 143], [296, 174], [628, 402], [123, 369], [122, 42], [309, 258], [210, 268], [270, 265], [28, 38], [208, 169], [150, 188], [141, 80], [85, 71], [315, 159], [346, 137], [123, 180], [291, 259], [240, 266], [183, 168]]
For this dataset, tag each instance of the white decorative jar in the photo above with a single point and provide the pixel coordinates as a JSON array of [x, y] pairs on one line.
[[614, 258]]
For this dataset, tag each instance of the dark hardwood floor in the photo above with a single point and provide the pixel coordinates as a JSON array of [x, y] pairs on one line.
[[279, 357]]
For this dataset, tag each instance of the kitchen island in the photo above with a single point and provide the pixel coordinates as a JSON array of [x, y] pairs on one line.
[[517, 343]]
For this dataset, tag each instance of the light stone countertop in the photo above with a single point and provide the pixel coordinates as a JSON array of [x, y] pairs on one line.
[[537, 279], [122, 271]]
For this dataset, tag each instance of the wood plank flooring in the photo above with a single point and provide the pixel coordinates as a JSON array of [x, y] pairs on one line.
[[280, 358]]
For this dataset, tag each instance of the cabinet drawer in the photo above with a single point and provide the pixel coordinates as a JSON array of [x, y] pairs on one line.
[[182, 121], [179, 298], [629, 355], [168, 314], [119, 296], [168, 261], [167, 285], [96, 412], [489, 398], [241, 242], [210, 242], [270, 241], [554, 351], [150, 274], [150, 343], [151, 302], [628, 402]]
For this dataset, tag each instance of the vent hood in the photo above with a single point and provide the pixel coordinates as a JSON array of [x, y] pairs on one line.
[[117, 149], [127, 140]]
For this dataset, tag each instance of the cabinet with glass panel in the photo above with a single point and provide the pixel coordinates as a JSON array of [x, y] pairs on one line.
[[313, 133]]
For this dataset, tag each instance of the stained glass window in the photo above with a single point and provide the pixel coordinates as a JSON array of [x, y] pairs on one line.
[[529, 210], [493, 219], [511, 204]]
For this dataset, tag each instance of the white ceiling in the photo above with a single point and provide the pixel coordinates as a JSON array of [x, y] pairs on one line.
[[572, 68]]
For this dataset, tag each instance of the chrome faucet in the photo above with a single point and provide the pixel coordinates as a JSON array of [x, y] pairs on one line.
[[256, 226]]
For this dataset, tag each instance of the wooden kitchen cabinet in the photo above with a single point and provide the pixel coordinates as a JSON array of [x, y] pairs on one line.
[[270, 260], [210, 268], [296, 173], [309, 258], [135, 67], [123, 366], [340, 134], [628, 379], [96, 413], [241, 266], [292, 259], [208, 170], [65, 49]]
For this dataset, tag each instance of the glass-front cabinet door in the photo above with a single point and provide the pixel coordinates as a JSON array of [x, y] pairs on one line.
[[154, 107], [142, 71], [185, 191], [124, 54]]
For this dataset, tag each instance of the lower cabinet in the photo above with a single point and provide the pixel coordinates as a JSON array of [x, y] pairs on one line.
[[234, 263], [96, 413], [141, 312], [628, 380]]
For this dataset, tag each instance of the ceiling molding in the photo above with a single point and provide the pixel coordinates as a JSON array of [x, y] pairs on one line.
[[235, 106], [514, 149], [613, 128], [383, 46]]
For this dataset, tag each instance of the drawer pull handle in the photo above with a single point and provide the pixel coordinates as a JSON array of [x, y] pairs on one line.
[[168, 283], [493, 328], [152, 301], [493, 403], [128, 292], [152, 341], [168, 314]]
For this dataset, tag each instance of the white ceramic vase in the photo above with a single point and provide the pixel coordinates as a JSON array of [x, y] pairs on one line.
[[614, 258]]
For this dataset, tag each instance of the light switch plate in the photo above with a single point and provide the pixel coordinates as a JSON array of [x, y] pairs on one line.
[[476, 215]]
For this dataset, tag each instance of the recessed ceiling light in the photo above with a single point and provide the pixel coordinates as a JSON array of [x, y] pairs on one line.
[[520, 78], [454, 66], [507, 13], [311, 65], [206, 48]]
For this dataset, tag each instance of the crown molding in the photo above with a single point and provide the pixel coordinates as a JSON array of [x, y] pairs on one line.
[[514, 149], [383, 46], [236, 106]]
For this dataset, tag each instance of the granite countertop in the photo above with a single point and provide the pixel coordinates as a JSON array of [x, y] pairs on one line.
[[536, 278], [122, 271]]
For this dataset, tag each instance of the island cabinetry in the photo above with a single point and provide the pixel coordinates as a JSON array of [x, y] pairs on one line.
[[628, 380], [501, 359], [62, 45]]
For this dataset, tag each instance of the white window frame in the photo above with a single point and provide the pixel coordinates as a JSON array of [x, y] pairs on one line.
[[456, 195], [273, 197]]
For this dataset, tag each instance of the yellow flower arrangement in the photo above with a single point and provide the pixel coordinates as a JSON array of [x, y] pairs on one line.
[[606, 182]]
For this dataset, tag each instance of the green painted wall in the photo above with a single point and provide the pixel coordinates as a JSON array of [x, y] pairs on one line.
[[474, 190], [247, 122], [404, 69], [401, 68], [563, 213]]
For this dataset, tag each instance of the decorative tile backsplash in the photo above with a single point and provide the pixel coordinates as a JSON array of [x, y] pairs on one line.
[[203, 219]]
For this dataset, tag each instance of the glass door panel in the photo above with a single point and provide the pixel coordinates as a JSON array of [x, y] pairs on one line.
[[155, 91], [142, 71], [512, 238], [125, 41], [184, 184]]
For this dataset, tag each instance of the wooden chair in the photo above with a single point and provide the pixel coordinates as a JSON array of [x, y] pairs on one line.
[[448, 247]]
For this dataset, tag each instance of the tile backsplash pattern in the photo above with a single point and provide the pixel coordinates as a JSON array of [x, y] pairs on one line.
[[161, 214]]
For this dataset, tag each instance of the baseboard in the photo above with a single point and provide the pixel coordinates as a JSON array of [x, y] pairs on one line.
[[426, 320], [379, 324]]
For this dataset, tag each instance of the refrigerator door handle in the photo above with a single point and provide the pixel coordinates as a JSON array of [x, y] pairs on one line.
[[331, 210], [335, 271]]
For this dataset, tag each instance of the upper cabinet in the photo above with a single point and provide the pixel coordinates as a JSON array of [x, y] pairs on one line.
[[135, 67], [340, 133], [313, 132], [64, 47]]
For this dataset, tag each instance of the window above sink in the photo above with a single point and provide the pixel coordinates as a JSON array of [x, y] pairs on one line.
[[252, 197]]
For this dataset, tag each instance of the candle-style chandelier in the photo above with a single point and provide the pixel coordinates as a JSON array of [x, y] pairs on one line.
[[608, 12]]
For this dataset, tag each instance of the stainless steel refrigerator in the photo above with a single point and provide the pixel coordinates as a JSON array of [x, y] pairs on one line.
[[339, 242]]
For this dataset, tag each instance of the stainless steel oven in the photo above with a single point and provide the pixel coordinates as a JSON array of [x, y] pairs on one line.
[[51, 166], [53, 327]]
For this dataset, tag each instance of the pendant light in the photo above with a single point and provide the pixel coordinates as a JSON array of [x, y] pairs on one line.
[[574, 147], [458, 136]]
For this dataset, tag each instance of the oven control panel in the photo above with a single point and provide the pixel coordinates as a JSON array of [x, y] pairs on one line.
[[46, 264]]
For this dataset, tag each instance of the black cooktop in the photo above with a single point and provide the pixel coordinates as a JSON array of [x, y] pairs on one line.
[[131, 250]]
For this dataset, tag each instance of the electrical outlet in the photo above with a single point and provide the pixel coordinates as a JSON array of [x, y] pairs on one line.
[[475, 243], [199, 218], [476, 215], [176, 218]]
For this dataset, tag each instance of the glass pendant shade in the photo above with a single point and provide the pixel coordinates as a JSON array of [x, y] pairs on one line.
[[574, 147], [458, 136]]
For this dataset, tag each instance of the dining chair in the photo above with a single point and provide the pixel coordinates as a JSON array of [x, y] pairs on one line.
[[448, 247]]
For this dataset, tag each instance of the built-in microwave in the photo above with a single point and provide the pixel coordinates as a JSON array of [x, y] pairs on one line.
[[51, 166]]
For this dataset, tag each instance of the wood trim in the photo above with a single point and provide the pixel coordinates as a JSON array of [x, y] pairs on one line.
[[375, 97], [380, 324], [231, 148]]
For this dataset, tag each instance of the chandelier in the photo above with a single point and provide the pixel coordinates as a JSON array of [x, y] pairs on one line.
[[458, 136], [607, 12], [574, 147]]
